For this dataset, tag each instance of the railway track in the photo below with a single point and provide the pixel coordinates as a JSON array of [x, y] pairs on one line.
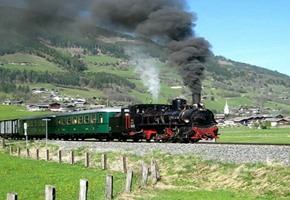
[[8, 141], [238, 153]]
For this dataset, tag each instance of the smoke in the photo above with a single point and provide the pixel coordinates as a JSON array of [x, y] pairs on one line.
[[147, 70], [149, 75], [164, 21], [31, 18]]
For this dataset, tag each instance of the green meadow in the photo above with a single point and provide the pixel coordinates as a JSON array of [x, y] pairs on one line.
[[28, 179], [183, 177], [279, 135]]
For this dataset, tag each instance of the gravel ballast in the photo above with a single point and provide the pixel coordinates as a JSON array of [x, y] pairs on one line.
[[227, 153]]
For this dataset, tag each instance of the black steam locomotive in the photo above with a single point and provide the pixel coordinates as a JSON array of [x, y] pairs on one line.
[[177, 122]]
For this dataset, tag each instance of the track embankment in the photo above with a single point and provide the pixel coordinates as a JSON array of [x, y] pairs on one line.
[[227, 153]]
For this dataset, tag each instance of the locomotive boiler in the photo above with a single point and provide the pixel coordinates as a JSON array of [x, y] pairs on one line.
[[175, 122]]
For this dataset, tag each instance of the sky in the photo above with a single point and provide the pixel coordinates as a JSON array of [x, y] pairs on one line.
[[256, 32]]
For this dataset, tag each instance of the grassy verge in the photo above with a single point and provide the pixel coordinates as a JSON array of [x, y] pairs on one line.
[[29, 177], [182, 177]]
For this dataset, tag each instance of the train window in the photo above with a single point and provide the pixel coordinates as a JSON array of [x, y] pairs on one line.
[[63, 121], [93, 118], [69, 120], [80, 119], [59, 121], [75, 121], [86, 119], [101, 118]]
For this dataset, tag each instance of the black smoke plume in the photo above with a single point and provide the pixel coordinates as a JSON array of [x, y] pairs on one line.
[[164, 21], [33, 18]]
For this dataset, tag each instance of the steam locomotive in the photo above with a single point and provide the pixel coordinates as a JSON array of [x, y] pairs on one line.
[[176, 122]]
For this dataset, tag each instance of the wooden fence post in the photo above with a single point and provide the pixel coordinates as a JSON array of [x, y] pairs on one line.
[[72, 160], [3, 142], [109, 187], [87, 160], [124, 164], [37, 154], [104, 162], [49, 192], [47, 154], [59, 156], [12, 196], [83, 189], [154, 172], [11, 150], [27, 153], [18, 151], [145, 172], [129, 181]]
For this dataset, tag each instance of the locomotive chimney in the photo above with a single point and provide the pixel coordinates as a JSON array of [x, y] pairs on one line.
[[196, 98]]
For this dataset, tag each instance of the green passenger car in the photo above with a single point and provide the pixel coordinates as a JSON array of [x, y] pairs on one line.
[[85, 124], [37, 126]]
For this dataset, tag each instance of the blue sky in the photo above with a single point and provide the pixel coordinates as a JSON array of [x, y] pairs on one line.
[[250, 31]]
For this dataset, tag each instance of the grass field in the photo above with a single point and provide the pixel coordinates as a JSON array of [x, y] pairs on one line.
[[252, 135], [14, 112], [183, 177], [29, 177], [35, 63]]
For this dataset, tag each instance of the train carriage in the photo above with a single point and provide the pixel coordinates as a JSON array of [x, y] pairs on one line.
[[85, 124], [9, 128], [37, 126]]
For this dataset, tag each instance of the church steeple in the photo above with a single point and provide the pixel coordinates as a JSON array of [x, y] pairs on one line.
[[226, 108]]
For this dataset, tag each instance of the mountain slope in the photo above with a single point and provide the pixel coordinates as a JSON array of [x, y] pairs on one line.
[[94, 64]]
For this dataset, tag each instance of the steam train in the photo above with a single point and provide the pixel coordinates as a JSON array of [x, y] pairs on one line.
[[176, 122]]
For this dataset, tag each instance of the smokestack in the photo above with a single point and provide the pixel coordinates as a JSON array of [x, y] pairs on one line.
[[196, 98]]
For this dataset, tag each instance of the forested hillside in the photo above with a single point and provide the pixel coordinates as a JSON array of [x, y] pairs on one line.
[[107, 76], [84, 60]]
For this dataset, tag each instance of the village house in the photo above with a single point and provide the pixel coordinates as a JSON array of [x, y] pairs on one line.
[[37, 107]]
